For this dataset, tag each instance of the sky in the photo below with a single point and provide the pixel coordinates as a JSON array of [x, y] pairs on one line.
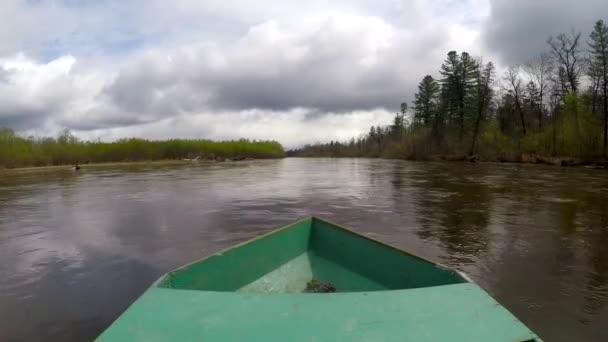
[[293, 71]]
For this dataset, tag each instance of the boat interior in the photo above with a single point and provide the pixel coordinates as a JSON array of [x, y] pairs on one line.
[[310, 256]]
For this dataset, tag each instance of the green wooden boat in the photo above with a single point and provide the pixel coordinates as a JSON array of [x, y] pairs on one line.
[[316, 281]]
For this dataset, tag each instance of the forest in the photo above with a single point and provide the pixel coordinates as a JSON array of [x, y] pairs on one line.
[[18, 151], [554, 106]]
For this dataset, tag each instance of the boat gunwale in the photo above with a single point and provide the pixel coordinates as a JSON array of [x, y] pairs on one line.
[[467, 281], [312, 218], [384, 244]]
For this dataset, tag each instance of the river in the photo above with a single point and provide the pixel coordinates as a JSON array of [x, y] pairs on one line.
[[76, 248]]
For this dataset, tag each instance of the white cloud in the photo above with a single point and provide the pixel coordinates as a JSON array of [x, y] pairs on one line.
[[293, 128], [200, 69], [33, 93]]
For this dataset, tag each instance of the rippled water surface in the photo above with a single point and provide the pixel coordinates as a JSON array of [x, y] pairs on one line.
[[76, 248]]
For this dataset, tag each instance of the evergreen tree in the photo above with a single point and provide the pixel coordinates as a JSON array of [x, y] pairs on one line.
[[484, 93], [396, 129], [599, 56], [531, 100], [450, 72], [426, 101], [459, 78]]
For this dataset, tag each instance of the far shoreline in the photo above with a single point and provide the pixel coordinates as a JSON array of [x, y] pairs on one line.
[[525, 159], [168, 162]]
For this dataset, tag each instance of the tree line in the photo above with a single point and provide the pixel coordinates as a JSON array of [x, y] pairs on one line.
[[18, 151], [553, 105]]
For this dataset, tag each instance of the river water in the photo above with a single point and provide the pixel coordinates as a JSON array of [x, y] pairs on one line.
[[76, 248]]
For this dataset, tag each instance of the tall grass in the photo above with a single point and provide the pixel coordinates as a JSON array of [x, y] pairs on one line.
[[18, 151]]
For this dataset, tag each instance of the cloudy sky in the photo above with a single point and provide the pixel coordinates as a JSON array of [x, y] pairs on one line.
[[294, 71]]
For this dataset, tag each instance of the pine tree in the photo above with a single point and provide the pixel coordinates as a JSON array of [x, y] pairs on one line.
[[531, 101], [426, 101], [599, 55], [396, 129], [459, 79], [484, 93], [449, 85]]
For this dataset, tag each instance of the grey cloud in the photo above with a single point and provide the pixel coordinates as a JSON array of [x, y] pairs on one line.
[[20, 114], [327, 62], [92, 122], [517, 30], [22, 120], [326, 70]]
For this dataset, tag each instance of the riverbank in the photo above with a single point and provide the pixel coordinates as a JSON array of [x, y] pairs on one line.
[[523, 159], [167, 162], [18, 152], [526, 159]]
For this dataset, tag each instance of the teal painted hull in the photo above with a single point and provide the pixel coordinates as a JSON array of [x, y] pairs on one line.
[[262, 290]]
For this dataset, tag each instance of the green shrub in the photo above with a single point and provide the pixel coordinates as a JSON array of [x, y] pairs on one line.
[[17, 151]]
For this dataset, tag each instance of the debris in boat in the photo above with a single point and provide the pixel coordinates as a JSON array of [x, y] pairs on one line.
[[316, 286]]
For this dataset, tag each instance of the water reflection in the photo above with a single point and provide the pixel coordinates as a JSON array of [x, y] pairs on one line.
[[78, 247], [455, 208]]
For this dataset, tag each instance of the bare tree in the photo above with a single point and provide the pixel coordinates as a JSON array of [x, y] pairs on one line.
[[515, 88], [539, 71], [595, 73], [565, 51]]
